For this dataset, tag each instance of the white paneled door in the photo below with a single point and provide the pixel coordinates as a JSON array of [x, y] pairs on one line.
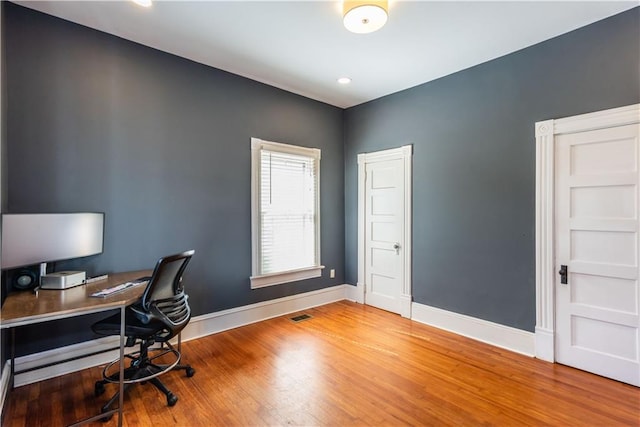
[[385, 229], [596, 252]]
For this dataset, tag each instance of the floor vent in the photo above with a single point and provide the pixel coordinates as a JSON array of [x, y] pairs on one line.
[[300, 318]]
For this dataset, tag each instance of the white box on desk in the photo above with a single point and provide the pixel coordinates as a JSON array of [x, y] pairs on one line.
[[62, 279]]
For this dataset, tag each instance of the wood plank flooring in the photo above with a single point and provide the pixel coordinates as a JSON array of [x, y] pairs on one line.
[[348, 365]]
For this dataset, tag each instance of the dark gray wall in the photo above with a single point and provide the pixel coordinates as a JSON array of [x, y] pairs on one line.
[[474, 162], [162, 146]]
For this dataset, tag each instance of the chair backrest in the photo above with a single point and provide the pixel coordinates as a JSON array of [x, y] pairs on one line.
[[164, 298], [166, 280]]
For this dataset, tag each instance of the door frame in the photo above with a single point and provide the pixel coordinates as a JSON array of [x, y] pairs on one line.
[[403, 153], [546, 132]]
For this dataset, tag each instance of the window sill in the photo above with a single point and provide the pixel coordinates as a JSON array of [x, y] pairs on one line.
[[285, 277]]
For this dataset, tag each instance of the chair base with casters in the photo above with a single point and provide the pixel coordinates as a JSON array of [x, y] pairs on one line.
[[143, 368]]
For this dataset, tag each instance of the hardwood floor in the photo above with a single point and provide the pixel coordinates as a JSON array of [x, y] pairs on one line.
[[348, 365]]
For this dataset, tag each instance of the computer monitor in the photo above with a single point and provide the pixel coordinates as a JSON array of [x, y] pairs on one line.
[[29, 239]]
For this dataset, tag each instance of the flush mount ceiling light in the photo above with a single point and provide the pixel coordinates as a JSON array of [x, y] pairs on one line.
[[344, 80], [364, 16], [143, 3]]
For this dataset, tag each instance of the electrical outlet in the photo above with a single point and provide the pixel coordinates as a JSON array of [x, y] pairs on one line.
[[332, 273]]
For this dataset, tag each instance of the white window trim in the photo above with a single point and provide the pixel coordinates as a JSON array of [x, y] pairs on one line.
[[259, 281], [285, 276]]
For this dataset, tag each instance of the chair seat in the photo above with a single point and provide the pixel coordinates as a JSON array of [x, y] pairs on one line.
[[133, 326]]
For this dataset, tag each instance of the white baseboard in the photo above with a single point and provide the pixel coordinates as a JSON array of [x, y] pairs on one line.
[[353, 293], [5, 383], [405, 306], [199, 326], [62, 353], [513, 339], [220, 321], [359, 293], [545, 344]]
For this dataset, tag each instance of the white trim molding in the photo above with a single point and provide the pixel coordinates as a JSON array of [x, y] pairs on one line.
[[58, 355], [353, 294], [361, 228], [404, 153], [506, 337], [285, 276], [545, 275], [198, 327], [545, 132]]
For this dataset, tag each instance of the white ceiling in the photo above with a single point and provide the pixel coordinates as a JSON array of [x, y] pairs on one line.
[[302, 47]]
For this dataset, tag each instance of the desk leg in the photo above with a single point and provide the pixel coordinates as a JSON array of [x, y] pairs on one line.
[[12, 372], [120, 409], [121, 382]]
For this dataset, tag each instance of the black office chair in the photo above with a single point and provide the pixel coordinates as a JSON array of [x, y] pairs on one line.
[[160, 314]]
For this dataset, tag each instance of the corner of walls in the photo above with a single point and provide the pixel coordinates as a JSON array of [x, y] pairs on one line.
[[352, 293]]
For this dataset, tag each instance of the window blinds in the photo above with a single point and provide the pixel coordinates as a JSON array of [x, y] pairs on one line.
[[288, 211]]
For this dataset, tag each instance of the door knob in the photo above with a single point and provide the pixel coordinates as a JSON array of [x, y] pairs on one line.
[[563, 274], [396, 246]]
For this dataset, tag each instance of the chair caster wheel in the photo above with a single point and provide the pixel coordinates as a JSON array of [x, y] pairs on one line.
[[108, 417], [172, 399], [190, 372], [99, 389]]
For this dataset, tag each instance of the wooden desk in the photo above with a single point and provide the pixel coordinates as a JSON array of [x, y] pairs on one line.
[[26, 308]]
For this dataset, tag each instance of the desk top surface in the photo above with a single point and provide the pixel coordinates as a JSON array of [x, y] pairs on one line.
[[27, 307]]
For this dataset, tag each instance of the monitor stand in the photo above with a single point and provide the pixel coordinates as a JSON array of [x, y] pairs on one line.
[[43, 272], [43, 269]]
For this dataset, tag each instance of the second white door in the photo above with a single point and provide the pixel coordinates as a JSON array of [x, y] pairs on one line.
[[597, 293]]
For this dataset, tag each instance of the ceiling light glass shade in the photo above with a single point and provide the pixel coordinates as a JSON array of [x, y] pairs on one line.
[[143, 3], [364, 16]]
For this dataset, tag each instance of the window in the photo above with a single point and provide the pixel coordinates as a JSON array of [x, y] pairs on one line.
[[285, 194]]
